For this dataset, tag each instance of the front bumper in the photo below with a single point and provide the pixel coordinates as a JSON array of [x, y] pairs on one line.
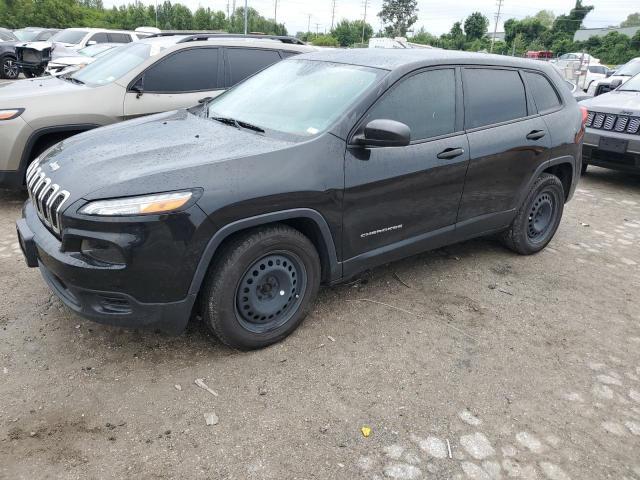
[[593, 152], [73, 281]]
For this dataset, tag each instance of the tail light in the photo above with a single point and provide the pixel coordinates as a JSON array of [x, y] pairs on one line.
[[584, 113]]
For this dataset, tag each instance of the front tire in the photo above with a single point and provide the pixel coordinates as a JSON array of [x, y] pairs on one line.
[[538, 217], [8, 68], [260, 287]]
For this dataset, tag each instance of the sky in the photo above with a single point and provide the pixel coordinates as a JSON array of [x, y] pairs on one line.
[[436, 16]]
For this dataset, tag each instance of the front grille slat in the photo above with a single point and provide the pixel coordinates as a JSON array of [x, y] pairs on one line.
[[47, 197], [616, 123]]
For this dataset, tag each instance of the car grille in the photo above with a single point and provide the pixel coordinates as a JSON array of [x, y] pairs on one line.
[[34, 56], [612, 122], [47, 197]]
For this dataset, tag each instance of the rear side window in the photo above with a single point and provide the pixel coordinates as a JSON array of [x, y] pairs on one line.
[[119, 38], [244, 62], [99, 38], [544, 95], [493, 96], [426, 102], [186, 71]]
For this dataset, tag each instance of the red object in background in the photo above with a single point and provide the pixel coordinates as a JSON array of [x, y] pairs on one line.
[[539, 54]]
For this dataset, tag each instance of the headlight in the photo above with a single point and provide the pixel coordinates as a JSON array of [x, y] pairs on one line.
[[144, 205], [11, 113]]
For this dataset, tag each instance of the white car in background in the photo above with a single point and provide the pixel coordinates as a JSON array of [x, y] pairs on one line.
[[620, 76], [84, 56], [592, 74]]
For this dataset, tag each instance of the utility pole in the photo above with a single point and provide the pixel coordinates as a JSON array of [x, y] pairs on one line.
[[228, 11], [246, 13], [495, 26], [317, 29], [156, 13], [333, 12], [309, 26], [364, 18], [275, 12]]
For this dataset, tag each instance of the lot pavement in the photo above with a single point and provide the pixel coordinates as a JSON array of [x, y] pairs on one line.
[[477, 363]]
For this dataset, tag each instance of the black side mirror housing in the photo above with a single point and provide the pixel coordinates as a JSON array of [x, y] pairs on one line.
[[138, 87], [384, 133], [615, 83]]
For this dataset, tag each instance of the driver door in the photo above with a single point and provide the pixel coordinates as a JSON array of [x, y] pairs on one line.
[[396, 198], [176, 81]]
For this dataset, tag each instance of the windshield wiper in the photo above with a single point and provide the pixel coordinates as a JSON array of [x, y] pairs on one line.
[[72, 80], [238, 123]]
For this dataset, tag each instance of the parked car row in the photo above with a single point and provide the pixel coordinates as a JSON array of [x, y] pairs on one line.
[[140, 78], [29, 50]]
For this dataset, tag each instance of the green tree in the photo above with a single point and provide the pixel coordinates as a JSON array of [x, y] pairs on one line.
[[571, 23], [476, 26], [424, 38], [545, 17], [350, 32], [633, 20], [325, 41], [398, 16]]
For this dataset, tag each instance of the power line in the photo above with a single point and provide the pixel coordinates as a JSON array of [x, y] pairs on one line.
[[495, 26]]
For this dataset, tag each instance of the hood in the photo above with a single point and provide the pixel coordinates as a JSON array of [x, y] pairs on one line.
[[76, 60], [618, 101], [39, 46], [12, 93], [163, 152]]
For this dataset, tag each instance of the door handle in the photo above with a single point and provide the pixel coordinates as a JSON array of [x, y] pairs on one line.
[[536, 134], [448, 153]]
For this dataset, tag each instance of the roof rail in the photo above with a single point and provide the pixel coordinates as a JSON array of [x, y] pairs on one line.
[[206, 36]]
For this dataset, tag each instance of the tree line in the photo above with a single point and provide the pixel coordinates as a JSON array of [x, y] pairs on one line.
[[92, 13]]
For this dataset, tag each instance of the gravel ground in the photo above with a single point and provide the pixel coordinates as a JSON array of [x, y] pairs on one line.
[[481, 365]]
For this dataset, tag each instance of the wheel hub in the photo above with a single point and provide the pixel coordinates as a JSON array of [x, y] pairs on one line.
[[540, 216], [270, 290]]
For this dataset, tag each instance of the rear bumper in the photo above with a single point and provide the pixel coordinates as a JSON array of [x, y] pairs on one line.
[[61, 271]]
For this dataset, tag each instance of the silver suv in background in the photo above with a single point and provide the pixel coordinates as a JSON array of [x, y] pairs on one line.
[[612, 138], [154, 75]]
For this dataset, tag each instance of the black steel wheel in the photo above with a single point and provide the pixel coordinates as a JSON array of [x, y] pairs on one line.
[[260, 286], [538, 217], [541, 216], [270, 291], [8, 69]]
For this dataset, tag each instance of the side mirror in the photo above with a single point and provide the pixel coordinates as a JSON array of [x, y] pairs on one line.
[[615, 83], [609, 73], [91, 42], [138, 87], [384, 133]]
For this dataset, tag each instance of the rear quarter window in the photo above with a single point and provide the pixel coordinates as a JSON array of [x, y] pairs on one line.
[[544, 95], [493, 96]]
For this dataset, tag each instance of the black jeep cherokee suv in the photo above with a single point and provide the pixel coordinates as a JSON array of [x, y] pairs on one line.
[[309, 172]]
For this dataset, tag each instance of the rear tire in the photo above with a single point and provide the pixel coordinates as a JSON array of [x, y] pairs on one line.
[[538, 217], [260, 287], [8, 68]]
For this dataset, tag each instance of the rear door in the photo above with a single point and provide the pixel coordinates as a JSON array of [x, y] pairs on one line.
[[178, 80], [508, 140], [400, 194], [243, 62]]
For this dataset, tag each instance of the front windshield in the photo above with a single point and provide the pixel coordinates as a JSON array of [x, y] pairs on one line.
[[26, 35], [629, 69], [115, 63], [300, 97], [632, 85], [95, 50], [72, 37]]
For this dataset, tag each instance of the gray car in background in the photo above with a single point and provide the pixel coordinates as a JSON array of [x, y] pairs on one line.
[[612, 138], [153, 75]]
